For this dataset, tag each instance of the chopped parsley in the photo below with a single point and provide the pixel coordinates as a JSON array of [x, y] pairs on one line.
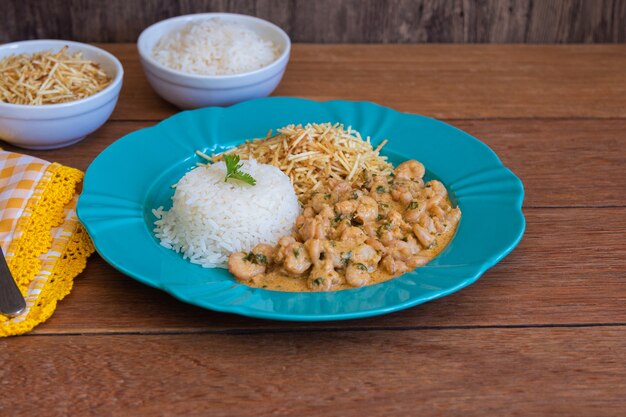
[[361, 266], [339, 217], [412, 206], [256, 258], [380, 189], [345, 258]]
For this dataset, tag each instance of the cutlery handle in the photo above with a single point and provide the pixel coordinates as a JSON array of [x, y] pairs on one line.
[[11, 300]]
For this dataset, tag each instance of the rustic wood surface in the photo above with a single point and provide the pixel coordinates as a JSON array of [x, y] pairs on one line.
[[334, 21], [443, 81], [542, 333], [453, 372]]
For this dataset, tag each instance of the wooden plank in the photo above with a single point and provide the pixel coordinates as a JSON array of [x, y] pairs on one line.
[[442, 81], [324, 21], [572, 163], [569, 268], [504, 372]]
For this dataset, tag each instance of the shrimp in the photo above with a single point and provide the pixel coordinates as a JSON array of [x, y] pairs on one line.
[[323, 276], [365, 254], [404, 197], [314, 248], [416, 260], [313, 228], [367, 210], [353, 236], [245, 266], [340, 189], [410, 170], [402, 250], [357, 275], [437, 187], [424, 237], [346, 207], [413, 214], [393, 266], [374, 243], [319, 200], [263, 249], [297, 260], [281, 250]]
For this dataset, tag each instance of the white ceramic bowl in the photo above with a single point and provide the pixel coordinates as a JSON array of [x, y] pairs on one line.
[[189, 91], [51, 126]]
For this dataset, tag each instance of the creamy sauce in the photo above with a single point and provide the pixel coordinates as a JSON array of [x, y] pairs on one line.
[[352, 235], [277, 280]]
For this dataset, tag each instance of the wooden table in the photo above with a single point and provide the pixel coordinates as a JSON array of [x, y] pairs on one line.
[[542, 333]]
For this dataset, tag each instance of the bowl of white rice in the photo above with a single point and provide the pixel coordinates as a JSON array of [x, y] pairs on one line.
[[213, 59]]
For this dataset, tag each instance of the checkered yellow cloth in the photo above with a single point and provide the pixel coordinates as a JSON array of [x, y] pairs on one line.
[[44, 244]]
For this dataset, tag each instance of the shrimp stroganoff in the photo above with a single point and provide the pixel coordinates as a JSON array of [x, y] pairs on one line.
[[360, 224]]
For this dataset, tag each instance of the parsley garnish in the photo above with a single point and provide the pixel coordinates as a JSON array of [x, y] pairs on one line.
[[361, 266], [345, 257], [256, 258], [232, 170]]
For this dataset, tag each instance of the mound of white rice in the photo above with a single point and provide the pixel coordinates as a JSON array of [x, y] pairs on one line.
[[214, 47], [210, 218]]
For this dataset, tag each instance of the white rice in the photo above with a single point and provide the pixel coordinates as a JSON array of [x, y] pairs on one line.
[[210, 218], [214, 47]]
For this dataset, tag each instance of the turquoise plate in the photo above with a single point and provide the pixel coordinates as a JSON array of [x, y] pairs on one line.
[[133, 176]]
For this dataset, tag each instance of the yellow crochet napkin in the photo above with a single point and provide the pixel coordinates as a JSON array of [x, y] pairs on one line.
[[44, 244]]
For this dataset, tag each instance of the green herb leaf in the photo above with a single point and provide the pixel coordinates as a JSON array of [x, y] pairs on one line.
[[233, 170], [413, 205], [361, 266], [345, 258], [256, 258]]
